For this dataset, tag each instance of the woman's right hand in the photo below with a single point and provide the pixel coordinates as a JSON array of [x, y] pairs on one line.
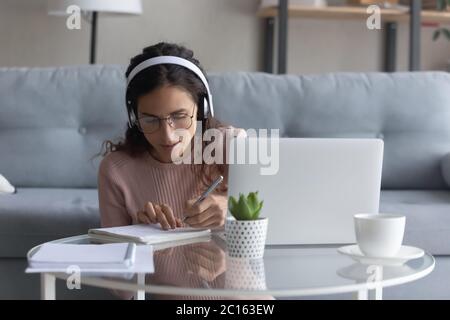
[[205, 259], [159, 213]]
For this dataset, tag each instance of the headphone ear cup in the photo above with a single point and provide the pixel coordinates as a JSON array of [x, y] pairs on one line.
[[205, 108], [131, 116]]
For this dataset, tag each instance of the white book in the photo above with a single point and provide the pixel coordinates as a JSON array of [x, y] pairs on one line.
[[146, 233], [87, 256], [143, 264]]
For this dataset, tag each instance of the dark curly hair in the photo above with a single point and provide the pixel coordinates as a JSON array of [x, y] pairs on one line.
[[135, 144]]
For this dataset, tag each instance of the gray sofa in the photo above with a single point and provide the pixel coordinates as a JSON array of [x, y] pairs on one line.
[[54, 120]]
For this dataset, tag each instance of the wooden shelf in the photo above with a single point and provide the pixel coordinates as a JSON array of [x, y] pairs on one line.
[[353, 12]]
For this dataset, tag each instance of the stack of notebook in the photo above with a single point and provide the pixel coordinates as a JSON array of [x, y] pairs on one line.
[[120, 256], [60, 256]]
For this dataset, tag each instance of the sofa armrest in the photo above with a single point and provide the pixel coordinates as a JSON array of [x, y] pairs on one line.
[[445, 168]]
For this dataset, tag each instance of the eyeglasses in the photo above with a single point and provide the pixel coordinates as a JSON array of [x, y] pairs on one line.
[[151, 124]]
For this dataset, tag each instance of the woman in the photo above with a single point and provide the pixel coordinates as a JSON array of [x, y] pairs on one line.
[[138, 181]]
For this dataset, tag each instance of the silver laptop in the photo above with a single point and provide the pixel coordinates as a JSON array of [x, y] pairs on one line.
[[318, 187]]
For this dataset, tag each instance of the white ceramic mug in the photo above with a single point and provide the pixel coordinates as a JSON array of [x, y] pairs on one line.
[[379, 235]]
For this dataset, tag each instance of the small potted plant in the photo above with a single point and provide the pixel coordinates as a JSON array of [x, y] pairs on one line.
[[245, 230]]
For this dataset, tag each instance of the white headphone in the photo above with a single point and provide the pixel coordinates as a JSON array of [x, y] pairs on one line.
[[207, 102]]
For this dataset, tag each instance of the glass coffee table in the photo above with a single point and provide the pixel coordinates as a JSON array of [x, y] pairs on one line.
[[204, 270]]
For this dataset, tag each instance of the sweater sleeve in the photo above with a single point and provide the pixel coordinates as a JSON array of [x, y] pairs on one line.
[[113, 211]]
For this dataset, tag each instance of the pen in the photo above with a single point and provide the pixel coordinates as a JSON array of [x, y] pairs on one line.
[[207, 192]]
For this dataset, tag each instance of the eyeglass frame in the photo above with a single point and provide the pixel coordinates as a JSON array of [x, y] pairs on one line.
[[166, 119]]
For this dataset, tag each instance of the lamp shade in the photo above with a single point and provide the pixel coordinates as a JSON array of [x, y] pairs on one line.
[[59, 7]]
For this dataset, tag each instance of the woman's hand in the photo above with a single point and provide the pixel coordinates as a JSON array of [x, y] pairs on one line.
[[209, 213], [205, 260], [159, 213]]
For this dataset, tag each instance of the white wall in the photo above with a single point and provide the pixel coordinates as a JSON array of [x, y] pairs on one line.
[[226, 35]]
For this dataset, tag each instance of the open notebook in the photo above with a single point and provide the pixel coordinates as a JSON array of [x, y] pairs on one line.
[[147, 234]]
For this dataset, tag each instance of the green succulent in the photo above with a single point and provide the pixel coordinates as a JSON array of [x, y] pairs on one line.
[[246, 208]]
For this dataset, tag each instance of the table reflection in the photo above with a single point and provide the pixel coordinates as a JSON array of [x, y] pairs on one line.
[[203, 265], [372, 275], [197, 265]]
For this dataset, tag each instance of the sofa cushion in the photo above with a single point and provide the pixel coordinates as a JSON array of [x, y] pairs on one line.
[[52, 119], [427, 217], [445, 168], [409, 111], [33, 216]]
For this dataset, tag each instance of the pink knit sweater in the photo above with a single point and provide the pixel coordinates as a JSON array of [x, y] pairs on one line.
[[126, 184]]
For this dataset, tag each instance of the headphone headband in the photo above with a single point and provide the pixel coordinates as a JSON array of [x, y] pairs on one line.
[[177, 61]]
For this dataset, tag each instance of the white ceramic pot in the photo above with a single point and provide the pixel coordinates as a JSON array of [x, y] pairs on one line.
[[246, 238]]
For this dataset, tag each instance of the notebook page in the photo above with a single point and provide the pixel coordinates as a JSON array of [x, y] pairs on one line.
[[147, 232]]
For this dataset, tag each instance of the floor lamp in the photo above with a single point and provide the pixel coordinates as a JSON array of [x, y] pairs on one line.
[[90, 10]]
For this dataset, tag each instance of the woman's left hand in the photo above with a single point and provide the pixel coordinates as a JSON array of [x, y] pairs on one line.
[[209, 213]]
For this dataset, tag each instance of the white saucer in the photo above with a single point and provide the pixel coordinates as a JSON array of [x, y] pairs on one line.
[[405, 254]]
